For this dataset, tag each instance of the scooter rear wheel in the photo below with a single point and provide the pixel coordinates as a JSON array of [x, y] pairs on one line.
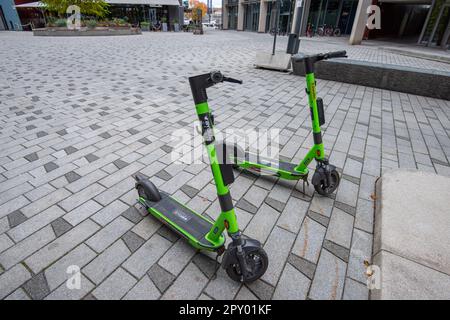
[[257, 260], [324, 190]]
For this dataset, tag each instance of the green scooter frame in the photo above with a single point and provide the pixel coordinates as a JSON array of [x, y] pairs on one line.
[[244, 259], [326, 178]]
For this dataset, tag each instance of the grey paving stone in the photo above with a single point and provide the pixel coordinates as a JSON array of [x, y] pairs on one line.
[[309, 240], [345, 207], [81, 197], [116, 286], [143, 290], [324, 221], [221, 288], [72, 176], [245, 294], [132, 214], [277, 248], [60, 226], [293, 214], [109, 234], [26, 247], [70, 150], [247, 206], [5, 242], [361, 250], [364, 215], [255, 196], [164, 175], [179, 290], [15, 218], [261, 289], [35, 223], [261, 225], [59, 247], [147, 227], [293, 285], [109, 213], [329, 279], [37, 287], [91, 157], [189, 191], [82, 212], [19, 294], [105, 263], [57, 273], [168, 234], [277, 205], [207, 265], [132, 240], [12, 279], [347, 193], [50, 166], [141, 260], [160, 277], [32, 157], [340, 228], [177, 257], [304, 266], [339, 251], [354, 290], [64, 293]]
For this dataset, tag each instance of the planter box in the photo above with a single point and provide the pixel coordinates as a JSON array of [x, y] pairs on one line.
[[422, 82], [164, 27], [100, 31], [176, 27]]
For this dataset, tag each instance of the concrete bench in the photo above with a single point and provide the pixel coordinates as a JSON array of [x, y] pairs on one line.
[[423, 82], [412, 235]]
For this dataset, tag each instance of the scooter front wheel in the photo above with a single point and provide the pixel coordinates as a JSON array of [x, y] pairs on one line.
[[325, 190], [257, 262]]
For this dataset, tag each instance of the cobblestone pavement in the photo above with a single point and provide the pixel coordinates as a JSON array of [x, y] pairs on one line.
[[79, 116]]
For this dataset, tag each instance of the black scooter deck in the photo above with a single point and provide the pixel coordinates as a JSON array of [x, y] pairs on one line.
[[182, 217], [281, 165]]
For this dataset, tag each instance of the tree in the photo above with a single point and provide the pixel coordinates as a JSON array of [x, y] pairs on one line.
[[195, 5], [97, 8]]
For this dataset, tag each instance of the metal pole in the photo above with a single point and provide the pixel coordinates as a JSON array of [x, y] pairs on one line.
[[294, 41], [277, 20]]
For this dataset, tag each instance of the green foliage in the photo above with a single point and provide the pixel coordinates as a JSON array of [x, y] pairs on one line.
[[163, 20], [91, 24], [145, 24], [97, 8], [61, 23], [120, 23]]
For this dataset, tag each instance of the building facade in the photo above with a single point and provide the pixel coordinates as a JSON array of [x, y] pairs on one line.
[[426, 22], [9, 19]]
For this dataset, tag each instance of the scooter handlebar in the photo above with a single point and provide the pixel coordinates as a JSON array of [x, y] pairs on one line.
[[320, 56], [227, 79], [217, 76], [335, 54]]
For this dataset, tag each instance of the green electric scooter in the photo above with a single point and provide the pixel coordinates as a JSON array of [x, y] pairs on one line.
[[244, 260], [326, 178]]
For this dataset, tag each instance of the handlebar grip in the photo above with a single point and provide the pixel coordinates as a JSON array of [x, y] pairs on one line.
[[336, 54], [232, 80]]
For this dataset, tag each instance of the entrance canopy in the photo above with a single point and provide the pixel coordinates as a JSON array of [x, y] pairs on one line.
[[39, 4]]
